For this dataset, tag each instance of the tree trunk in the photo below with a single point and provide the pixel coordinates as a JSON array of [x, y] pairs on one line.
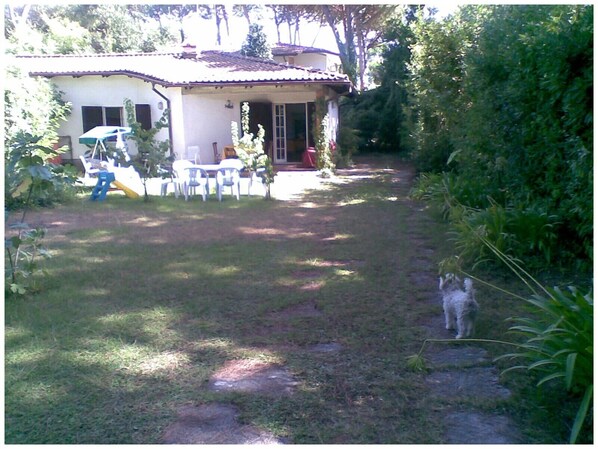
[[347, 48], [361, 57], [217, 18]]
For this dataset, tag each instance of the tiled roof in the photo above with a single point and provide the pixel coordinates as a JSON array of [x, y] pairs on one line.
[[281, 49], [170, 69]]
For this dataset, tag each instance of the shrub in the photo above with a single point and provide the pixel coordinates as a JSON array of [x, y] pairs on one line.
[[559, 339], [250, 150]]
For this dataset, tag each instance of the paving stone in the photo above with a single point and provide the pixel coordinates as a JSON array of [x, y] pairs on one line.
[[463, 357], [326, 348], [214, 424], [467, 427], [248, 377], [478, 382]]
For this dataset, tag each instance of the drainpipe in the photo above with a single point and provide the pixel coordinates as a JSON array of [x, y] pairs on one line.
[[167, 100]]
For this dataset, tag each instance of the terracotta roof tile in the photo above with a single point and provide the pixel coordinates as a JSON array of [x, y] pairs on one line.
[[170, 69]]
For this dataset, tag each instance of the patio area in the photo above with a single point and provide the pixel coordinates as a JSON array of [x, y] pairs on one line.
[[291, 181]]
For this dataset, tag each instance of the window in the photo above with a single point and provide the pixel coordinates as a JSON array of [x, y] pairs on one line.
[[92, 117], [113, 116], [143, 115], [99, 116]]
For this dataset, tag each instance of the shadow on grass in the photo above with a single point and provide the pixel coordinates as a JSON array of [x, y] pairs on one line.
[[145, 301]]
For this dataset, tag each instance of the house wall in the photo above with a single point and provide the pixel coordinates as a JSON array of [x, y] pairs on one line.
[[198, 115], [320, 61], [206, 120], [107, 92], [333, 119]]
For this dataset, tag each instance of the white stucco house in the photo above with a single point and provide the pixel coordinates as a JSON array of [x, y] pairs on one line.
[[316, 58], [202, 91]]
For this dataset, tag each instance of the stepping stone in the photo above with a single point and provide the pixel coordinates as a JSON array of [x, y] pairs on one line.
[[306, 310], [458, 357], [424, 279], [326, 348], [477, 428], [250, 376], [214, 424], [481, 382]]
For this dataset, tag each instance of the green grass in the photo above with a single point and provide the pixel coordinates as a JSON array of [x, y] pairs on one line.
[[134, 319]]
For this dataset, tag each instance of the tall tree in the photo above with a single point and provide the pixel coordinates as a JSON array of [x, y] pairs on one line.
[[247, 11], [163, 13], [84, 28], [256, 43], [357, 30], [291, 15]]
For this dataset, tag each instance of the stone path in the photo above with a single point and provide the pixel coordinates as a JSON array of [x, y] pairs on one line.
[[459, 375]]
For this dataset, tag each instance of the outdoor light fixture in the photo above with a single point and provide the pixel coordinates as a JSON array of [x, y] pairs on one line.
[[229, 104], [160, 105]]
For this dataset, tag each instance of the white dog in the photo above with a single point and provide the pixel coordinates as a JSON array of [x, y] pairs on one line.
[[459, 304]]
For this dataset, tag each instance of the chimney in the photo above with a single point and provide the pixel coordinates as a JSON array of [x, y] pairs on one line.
[[189, 51]]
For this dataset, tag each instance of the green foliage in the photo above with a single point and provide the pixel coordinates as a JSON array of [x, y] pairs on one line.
[[66, 37], [24, 252], [268, 174], [390, 101], [67, 29], [559, 338], [115, 28], [324, 145], [32, 105], [33, 112], [502, 99], [250, 149], [29, 178], [346, 146], [529, 234], [256, 44], [151, 154]]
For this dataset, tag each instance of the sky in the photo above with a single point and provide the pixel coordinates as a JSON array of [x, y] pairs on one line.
[[203, 33]]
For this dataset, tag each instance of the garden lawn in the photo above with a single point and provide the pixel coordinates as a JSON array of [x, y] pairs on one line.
[[145, 301]]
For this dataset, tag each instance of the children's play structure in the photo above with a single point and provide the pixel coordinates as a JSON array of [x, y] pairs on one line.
[[103, 161]]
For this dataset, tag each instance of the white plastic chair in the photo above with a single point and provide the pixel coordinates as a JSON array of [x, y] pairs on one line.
[[196, 177], [179, 171], [193, 154], [170, 178], [228, 177]]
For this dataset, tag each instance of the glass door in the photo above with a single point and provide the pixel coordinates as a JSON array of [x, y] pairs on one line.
[[280, 137]]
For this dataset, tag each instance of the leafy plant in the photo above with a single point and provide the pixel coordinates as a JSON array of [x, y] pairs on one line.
[[324, 145], [560, 338], [526, 233], [346, 146], [29, 176], [24, 252], [151, 155], [559, 343], [250, 149]]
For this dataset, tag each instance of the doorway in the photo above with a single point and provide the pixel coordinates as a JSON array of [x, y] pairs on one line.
[[293, 131], [288, 128]]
